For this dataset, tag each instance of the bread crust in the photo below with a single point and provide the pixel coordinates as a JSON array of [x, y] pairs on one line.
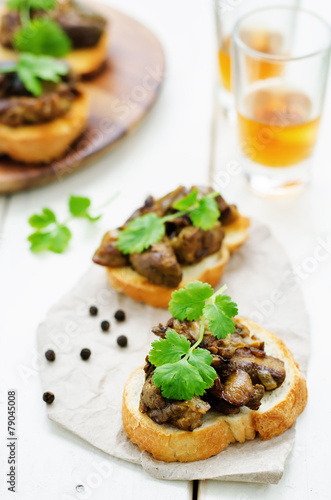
[[283, 415], [209, 270], [236, 233], [45, 142], [169, 444], [88, 61], [136, 286]]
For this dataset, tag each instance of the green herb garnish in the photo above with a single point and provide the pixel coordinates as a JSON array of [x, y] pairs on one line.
[[183, 371], [79, 206], [32, 70], [31, 4], [39, 36], [143, 231], [53, 235], [42, 36]]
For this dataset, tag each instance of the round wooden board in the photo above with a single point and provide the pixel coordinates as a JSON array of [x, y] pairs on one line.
[[120, 97]]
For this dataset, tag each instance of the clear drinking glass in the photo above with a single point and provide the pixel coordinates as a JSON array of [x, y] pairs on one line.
[[279, 115], [227, 13]]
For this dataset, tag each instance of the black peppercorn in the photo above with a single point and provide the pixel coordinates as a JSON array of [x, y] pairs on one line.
[[119, 315], [149, 202], [50, 355], [105, 325], [122, 341], [48, 397], [93, 311], [85, 354]]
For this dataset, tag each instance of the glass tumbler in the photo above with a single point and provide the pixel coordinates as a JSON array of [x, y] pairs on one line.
[[279, 96], [227, 13]]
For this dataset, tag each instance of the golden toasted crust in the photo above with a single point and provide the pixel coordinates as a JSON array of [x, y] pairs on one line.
[[88, 61], [278, 412], [7, 54], [128, 281], [236, 233], [45, 142], [209, 270], [270, 422]]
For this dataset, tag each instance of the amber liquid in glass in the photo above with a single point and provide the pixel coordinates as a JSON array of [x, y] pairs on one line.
[[262, 41], [225, 63], [276, 127]]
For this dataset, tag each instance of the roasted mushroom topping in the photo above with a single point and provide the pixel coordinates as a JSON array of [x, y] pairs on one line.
[[108, 254], [183, 245], [19, 107], [238, 388], [186, 415], [244, 371], [158, 264]]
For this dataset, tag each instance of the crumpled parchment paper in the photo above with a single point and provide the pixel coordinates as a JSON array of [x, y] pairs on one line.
[[88, 394]]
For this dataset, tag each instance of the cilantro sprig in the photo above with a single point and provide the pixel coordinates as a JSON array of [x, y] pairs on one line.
[[183, 371], [143, 231], [38, 41], [53, 235], [42, 36], [39, 36], [33, 70], [31, 4]]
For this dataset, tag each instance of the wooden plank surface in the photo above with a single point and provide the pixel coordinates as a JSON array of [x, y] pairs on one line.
[[120, 98]]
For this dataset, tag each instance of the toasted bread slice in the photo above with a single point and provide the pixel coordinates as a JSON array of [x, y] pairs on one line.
[[136, 286], [209, 270], [278, 412], [45, 142], [236, 233]]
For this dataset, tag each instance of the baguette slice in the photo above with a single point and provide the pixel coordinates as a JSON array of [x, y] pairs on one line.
[[45, 142], [278, 412], [209, 270]]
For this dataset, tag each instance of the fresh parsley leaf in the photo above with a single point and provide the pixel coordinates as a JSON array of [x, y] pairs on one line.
[[141, 233], [43, 220], [183, 371], [187, 202], [31, 69], [78, 207], [201, 359], [60, 239], [169, 350], [16, 4], [179, 380], [31, 4], [188, 302], [42, 4], [58, 235], [29, 79], [219, 316], [206, 214], [39, 241], [55, 241], [229, 307], [43, 36]]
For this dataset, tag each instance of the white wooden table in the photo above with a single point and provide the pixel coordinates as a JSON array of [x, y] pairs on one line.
[[172, 146]]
